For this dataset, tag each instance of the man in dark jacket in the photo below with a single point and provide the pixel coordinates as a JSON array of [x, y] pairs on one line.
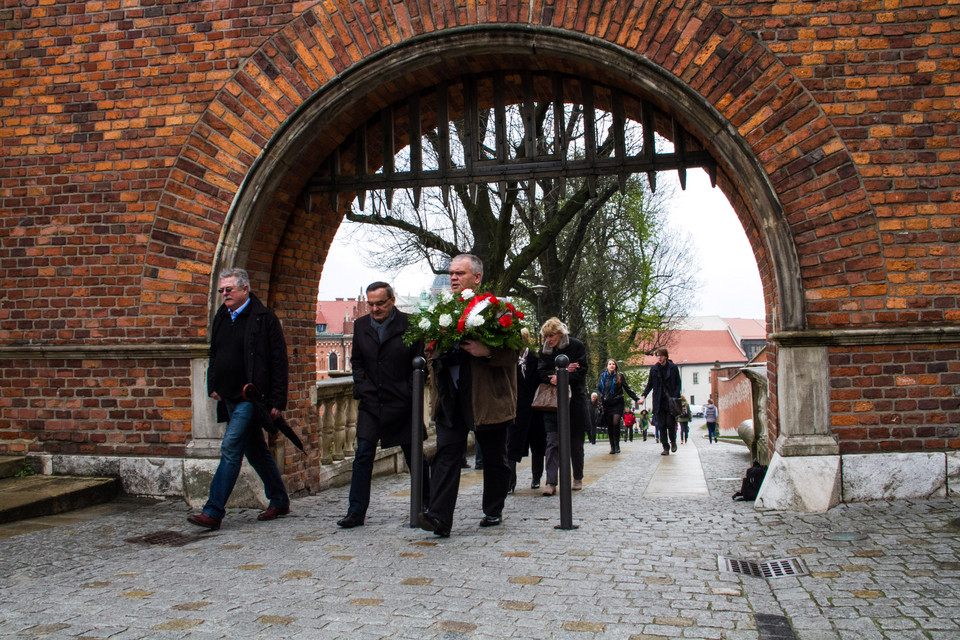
[[246, 346], [664, 381], [472, 386], [383, 383]]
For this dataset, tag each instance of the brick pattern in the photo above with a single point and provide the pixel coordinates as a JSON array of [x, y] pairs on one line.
[[127, 132], [895, 399]]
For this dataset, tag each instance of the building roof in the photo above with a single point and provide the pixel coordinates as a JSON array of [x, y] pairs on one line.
[[747, 328], [338, 314], [700, 347]]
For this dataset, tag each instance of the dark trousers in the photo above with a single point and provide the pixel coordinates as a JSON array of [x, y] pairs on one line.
[[363, 473], [667, 425], [613, 430], [445, 469]]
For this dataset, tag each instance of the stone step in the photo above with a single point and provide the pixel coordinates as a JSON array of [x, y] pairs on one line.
[[35, 496], [11, 465]]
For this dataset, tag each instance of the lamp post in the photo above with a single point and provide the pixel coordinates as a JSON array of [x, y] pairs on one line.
[[539, 289]]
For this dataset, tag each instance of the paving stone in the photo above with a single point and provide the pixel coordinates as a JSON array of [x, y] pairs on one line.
[[635, 567]]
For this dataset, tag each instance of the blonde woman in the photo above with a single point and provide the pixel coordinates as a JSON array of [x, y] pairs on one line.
[[556, 342]]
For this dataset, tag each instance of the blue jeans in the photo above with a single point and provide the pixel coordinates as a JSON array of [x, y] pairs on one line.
[[244, 438], [711, 431]]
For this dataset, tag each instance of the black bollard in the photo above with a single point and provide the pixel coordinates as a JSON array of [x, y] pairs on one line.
[[416, 443], [563, 429]]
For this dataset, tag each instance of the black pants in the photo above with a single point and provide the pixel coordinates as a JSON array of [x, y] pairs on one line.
[[668, 427], [613, 430]]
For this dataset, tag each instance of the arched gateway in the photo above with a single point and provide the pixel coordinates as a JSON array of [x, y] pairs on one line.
[[831, 136]]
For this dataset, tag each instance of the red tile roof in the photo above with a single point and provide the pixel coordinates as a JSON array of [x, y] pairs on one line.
[[338, 313], [747, 328], [698, 347]]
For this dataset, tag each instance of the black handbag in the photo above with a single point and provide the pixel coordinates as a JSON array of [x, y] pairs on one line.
[[675, 406]]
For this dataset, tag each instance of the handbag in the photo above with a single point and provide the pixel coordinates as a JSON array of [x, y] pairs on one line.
[[546, 398], [675, 406]]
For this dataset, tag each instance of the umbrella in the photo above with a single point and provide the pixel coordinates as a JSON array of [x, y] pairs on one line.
[[270, 425]]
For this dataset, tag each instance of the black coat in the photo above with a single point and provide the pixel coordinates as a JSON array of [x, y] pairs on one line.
[[664, 381], [579, 401], [264, 355], [383, 380]]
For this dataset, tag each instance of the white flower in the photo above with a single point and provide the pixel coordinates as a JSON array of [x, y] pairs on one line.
[[424, 323], [475, 320], [466, 294], [445, 320], [446, 296], [432, 307]]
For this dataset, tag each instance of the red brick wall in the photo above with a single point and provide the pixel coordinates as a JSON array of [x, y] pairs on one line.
[[128, 133], [895, 399]]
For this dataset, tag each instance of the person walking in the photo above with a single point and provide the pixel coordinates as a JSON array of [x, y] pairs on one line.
[[629, 422], [664, 382], [526, 433], [246, 347], [472, 386], [383, 383], [684, 420], [556, 342], [611, 386], [644, 421], [596, 417], [710, 414]]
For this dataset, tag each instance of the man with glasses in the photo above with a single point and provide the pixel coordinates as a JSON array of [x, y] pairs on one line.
[[246, 347], [383, 383]]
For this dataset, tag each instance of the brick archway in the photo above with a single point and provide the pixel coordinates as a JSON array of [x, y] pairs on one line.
[[849, 214]]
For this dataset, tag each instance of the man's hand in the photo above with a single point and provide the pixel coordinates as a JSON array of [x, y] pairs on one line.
[[215, 396], [475, 348], [573, 366], [274, 413]]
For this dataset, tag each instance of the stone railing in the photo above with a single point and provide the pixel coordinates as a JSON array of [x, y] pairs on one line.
[[337, 419]]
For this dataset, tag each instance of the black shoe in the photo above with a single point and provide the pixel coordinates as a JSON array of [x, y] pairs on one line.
[[618, 449], [350, 521], [430, 523], [535, 484], [673, 447], [490, 521], [478, 467], [665, 452]]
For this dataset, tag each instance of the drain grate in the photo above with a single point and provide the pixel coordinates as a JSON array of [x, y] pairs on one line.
[[165, 538], [770, 569]]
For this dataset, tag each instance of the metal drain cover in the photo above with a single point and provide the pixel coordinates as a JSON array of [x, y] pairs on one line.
[[165, 538], [770, 569]]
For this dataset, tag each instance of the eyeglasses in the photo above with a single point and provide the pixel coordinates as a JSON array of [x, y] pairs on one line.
[[223, 290]]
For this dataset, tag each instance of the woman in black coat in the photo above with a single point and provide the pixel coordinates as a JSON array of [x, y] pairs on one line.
[[557, 341], [664, 381]]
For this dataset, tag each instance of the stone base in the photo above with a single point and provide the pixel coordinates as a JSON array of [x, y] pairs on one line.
[[953, 474], [189, 478], [802, 483], [894, 476]]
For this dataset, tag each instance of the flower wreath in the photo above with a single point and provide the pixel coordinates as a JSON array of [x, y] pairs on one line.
[[449, 319]]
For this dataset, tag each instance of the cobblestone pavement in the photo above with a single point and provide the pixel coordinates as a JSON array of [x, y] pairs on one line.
[[634, 568]]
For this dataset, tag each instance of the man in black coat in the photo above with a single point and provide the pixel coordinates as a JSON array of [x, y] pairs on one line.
[[664, 381], [383, 383], [246, 346]]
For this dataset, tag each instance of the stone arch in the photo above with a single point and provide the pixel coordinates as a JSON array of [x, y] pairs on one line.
[[787, 173]]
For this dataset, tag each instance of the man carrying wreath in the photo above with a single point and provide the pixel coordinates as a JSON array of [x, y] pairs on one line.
[[474, 386]]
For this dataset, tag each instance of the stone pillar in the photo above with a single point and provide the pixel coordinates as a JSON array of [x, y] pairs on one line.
[[804, 474]]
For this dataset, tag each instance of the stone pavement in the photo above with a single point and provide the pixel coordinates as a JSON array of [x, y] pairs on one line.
[[640, 565]]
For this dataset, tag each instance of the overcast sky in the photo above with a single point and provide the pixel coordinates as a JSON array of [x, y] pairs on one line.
[[729, 280]]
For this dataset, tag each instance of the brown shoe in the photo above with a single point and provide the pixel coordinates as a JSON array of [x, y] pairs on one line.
[[205, 521], [549, 489], [272, 512], [577, 485]]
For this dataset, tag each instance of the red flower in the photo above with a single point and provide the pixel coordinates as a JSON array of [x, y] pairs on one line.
[[506, 321]]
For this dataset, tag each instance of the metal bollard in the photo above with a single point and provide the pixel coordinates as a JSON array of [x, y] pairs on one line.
[[563, 432], [416, 443]]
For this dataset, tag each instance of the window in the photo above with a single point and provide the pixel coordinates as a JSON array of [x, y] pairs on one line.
[[332, 362], [696, 378]]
